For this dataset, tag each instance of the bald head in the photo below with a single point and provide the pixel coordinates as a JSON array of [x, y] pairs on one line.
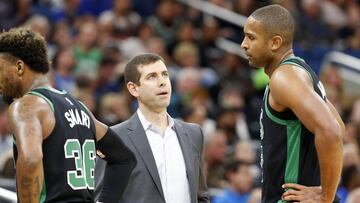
[[276, 20]]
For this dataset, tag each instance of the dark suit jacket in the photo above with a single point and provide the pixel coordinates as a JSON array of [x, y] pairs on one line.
[[144, 185]]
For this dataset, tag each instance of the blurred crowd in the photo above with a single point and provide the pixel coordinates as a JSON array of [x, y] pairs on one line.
[[89, 41]]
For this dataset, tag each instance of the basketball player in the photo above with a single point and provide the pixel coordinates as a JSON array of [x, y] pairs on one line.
[[301, 131], [56, 137]]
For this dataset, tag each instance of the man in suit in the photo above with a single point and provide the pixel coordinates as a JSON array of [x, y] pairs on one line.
[[169, 152]]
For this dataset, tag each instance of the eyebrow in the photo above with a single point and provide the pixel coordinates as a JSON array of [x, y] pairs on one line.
[[149, 74], [249, 33]]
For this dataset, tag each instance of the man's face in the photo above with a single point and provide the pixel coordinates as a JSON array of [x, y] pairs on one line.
[[242, 180], [10, 86], [255, 43], [154, 90]]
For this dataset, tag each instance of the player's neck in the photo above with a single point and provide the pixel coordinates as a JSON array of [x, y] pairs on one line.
[[159, 119], [277, 61], [39, 81]]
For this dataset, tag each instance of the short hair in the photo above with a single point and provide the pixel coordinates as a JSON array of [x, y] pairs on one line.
[[276, 20], [234, 166], [27, 45], [132, 73]]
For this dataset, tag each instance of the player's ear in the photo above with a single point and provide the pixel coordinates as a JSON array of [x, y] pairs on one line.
[[276, 42], [20, 65], [133, 89]]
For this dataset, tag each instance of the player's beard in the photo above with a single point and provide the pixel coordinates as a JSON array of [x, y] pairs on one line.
[[11, 92], [7, 99]]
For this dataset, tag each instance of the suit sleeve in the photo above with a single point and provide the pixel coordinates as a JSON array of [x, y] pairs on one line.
[[120, 162], [99, 176], [203, 196]]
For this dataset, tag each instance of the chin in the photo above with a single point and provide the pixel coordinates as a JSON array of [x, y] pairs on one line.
[[252, 64], [7, 99]]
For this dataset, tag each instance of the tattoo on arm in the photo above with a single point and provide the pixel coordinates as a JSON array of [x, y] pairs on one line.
[[30, 188]]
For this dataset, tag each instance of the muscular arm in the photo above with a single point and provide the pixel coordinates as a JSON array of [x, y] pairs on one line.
[[25, 121], [291, 88]]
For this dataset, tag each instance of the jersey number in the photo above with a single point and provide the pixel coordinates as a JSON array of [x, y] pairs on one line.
[[84, 157]]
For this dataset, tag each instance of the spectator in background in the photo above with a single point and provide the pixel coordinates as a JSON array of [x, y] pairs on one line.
[[165, 23], [244, 152], [107, 79], [350, 180], [233, 123], [61, 35], [333, 84], [354, 42], [68, 12], [354, 196], [198, 114], [157, 45], [352, 133], [125, 21], [351, 155], [7, 10], [106, 32], [186, 33], [210, 54], [215, 158], [355, 112], [186, 55], [6, 140], [244, 7], [240, 179], [114, 108], [39, 24], [87, 55], [314, 29], [63, 70]]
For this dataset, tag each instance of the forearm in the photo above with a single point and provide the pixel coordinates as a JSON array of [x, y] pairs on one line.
[[29, 178], [329, 150]]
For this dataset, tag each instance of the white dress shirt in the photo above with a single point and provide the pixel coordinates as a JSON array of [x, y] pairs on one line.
[[169, 160]]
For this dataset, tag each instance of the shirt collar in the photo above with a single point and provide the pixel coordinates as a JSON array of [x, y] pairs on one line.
[[147, 125]]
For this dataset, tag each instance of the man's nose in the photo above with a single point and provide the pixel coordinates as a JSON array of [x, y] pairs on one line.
[[162, 81], [244, 45]]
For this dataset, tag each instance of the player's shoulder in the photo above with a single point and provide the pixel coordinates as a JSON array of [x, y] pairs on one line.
[[30, 109], [289, 77], [31, 102]]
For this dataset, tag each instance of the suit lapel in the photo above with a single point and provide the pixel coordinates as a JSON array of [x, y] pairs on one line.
[[185, 144], [142, 145]]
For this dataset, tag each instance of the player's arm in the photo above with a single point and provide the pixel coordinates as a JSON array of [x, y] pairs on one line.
[[25, 122], [292, 88], [120, 162]]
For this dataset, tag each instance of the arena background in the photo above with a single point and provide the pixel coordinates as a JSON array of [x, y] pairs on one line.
[[90, 40]]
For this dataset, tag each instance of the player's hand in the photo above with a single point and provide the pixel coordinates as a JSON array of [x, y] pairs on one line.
[[301, 193]]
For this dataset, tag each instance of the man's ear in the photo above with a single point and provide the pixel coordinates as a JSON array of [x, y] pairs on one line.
[[133, 89], [276, 42], [20, 65]]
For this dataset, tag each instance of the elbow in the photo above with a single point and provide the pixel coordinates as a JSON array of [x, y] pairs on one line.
[[132, 161], [331, 135], [30, 159]]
